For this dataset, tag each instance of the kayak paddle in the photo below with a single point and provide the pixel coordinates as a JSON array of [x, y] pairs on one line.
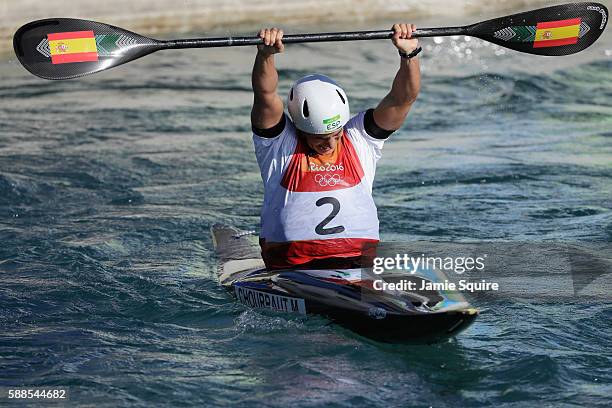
[[64, 48]]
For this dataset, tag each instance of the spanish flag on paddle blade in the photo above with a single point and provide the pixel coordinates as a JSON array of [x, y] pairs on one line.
[[555, 33], [74, 46]]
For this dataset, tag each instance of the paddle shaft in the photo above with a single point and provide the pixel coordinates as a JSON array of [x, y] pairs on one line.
[[303, 38]]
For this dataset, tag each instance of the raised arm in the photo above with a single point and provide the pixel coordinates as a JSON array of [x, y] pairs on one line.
[[394, 107], [267, 105]]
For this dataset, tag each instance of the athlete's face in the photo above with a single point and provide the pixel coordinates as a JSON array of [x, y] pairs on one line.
[[323, 144]]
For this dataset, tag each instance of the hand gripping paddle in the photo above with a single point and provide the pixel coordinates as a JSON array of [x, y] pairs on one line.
[[64, 48]]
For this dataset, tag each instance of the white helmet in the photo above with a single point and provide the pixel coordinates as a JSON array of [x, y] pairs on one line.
[[318, 105]]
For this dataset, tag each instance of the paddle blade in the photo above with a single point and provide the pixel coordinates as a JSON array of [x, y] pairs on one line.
[[557, 30], [64, 48]]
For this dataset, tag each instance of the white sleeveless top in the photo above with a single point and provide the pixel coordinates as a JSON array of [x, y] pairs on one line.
[[317, 211]]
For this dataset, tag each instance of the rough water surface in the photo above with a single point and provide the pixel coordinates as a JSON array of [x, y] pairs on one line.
[[109, 185]]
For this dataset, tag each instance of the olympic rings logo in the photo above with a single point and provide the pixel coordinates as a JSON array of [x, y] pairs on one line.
[[325, 180]]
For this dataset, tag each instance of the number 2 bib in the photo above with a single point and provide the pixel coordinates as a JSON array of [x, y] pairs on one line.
[[319, 210]]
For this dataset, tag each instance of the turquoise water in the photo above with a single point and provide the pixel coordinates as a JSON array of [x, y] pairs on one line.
[[109, 185]]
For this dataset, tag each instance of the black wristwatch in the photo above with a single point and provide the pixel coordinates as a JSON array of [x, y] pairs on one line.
[[413, 54]]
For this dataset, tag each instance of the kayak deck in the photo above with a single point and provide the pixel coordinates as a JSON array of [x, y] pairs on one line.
[[347, 297]]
